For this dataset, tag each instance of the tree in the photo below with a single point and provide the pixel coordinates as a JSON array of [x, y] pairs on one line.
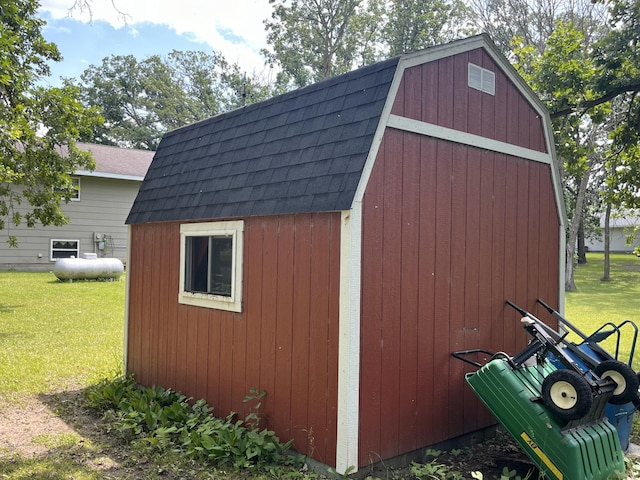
[[417, 24], [562, 74], [118, 88], [617, 83], [534, 21], [143, 99], [38, 125], [310, 38]]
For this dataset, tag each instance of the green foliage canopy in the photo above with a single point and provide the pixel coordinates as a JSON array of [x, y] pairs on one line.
[[143, 99], [313, 40], [38, 125]]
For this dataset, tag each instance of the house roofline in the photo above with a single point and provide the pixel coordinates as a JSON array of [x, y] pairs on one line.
[[116, 176]]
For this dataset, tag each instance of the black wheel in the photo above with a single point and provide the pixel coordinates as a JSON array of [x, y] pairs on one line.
[[625, 378], [567, 394]]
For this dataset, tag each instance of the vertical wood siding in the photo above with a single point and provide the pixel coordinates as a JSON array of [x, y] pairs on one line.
[[284, 341], [439, 261], [450, 233], [437, 93]]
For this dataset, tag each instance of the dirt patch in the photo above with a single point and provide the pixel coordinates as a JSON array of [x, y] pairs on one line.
[[59, 428], [24, 427]]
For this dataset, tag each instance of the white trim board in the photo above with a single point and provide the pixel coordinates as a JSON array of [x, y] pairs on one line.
[[457, 136], [348, 415], [115, 176]]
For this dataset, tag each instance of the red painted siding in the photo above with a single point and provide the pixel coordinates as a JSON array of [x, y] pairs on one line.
[[437, 93], [449, 233], [284, 341]]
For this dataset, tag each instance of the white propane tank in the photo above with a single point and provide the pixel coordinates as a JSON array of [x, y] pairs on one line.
[[87, 268]]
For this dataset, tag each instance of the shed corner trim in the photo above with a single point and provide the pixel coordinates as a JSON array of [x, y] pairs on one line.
[[348, 420]]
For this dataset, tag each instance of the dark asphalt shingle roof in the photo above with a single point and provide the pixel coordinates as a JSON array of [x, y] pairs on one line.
[[303, 151]]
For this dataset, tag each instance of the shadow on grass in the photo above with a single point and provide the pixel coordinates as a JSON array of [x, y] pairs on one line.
[[88, 453], [9, 308], [58, 463]]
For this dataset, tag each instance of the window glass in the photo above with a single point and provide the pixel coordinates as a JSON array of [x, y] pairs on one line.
[[74, 195], [221, 265], [76, 185], [64, 249], [197, 264], [211, 264]]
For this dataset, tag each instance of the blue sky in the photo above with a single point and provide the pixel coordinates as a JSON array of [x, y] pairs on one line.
[[154, 27]]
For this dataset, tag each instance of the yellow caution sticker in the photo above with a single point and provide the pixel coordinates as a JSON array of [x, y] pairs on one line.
[[534, 446]]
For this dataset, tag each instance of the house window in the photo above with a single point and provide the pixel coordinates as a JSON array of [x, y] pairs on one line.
[[74, 195], [482, 79], [64, 249], [76, 186], [211, 265]]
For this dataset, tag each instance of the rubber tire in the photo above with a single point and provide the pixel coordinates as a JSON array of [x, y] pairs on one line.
[[570, 388], [624, 376]]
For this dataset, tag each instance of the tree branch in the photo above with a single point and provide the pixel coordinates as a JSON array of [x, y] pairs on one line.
[[584, 106]]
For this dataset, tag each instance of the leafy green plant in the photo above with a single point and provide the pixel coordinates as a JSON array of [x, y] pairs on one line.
[[164, 420], [512, 475], [433, 469], [350, 469], [254, 417]]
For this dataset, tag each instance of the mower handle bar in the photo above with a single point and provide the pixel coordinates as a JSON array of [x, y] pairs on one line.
[[594, 339]]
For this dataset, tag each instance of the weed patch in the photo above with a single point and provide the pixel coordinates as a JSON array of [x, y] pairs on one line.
[[160, 421]]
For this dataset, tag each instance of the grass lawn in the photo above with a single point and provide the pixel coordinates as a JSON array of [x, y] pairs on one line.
[[597, 302], [55, 335]]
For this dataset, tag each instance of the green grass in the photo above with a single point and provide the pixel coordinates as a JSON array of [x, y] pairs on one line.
[[56, 335], [598, 302]]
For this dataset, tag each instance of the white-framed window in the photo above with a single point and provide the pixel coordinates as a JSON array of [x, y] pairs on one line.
[[481, 79], [211, 264], [75, 195], [76, 185], [64, 249]]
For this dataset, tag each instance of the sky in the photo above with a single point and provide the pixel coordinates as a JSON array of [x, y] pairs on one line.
[[233, 27]]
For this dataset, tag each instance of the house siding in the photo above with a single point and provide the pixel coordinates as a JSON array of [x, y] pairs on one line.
[[103, 207], [284, 341]]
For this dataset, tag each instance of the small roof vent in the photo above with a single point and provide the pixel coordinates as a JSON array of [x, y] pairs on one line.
[[482, 79]]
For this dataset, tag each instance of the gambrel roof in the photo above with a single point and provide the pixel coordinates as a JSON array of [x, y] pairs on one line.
[[309, 150], [303, 151]]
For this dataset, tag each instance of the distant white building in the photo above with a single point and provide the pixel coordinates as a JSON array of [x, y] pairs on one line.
[[96, 214], [624, 234]]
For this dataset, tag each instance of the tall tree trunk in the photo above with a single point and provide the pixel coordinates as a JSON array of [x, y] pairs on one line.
[[582, 249], [607, 244], [569, 283]]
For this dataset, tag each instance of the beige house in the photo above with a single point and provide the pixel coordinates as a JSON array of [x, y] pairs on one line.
[[96, 215], [624, 234]]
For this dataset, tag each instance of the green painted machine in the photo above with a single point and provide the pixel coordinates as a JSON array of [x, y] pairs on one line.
[[557, 415], [587, 451]]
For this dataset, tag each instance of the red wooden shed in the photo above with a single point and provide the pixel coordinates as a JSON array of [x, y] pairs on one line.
[[333, 245]]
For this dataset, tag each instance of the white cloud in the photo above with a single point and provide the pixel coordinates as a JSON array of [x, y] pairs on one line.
[[233, 27]]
